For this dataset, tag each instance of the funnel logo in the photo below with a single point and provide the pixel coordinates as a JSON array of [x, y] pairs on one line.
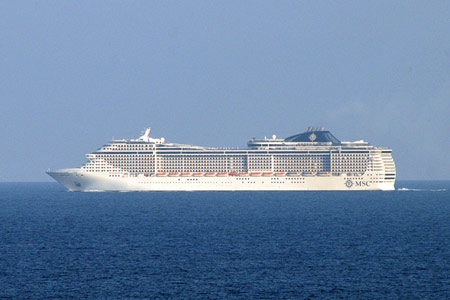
[[312, 137], [349, 183]]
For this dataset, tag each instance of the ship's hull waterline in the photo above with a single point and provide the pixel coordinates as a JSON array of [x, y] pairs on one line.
[[82, 182]]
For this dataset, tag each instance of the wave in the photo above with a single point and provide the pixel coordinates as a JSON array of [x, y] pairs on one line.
[[421, 190]]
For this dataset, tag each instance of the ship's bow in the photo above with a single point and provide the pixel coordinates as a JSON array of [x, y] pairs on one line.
[[70, 178]]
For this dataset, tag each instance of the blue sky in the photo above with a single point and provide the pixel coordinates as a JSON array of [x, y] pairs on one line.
[[75, 73]]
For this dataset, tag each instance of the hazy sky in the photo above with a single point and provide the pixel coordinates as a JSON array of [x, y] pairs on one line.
[[217, 73]]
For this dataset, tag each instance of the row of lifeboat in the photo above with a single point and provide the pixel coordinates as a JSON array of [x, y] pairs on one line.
[[223, 174], [304, 174]]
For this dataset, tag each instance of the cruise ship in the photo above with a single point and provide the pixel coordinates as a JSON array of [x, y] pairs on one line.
[[314, 160]]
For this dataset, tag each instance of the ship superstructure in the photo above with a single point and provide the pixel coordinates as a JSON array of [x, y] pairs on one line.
[[312, 160]]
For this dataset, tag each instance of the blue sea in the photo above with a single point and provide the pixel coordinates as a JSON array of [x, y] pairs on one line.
[[56, 244]]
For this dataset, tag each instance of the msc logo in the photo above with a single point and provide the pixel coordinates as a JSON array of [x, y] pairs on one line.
[[349, 183]]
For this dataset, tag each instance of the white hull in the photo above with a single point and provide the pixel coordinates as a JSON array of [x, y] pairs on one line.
[[77, 180]]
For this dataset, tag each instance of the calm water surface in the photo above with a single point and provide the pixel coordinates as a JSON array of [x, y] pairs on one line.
[[225, 245]]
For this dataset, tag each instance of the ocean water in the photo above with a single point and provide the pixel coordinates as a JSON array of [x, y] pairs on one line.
[[225, 245]]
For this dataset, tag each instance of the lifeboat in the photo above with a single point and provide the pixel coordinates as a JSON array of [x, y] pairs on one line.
[[222, 174], [161, 174], [174, 174], [267, 174], [255, 174], [293, 174], [186, 174], [308, 174], [279, 173], [197, 174], [243, 174], [233, 173], [210, 174], [323, 173]]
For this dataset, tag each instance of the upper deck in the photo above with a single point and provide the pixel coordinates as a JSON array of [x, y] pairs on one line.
[[312, 140], [315, 150]]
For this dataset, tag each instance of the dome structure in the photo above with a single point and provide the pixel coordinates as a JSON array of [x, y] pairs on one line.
[[314, 135]]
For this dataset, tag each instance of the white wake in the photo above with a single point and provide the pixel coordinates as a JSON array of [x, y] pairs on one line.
[[421, 190]]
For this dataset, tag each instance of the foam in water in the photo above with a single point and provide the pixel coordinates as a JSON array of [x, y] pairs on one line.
[[421, 190]]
